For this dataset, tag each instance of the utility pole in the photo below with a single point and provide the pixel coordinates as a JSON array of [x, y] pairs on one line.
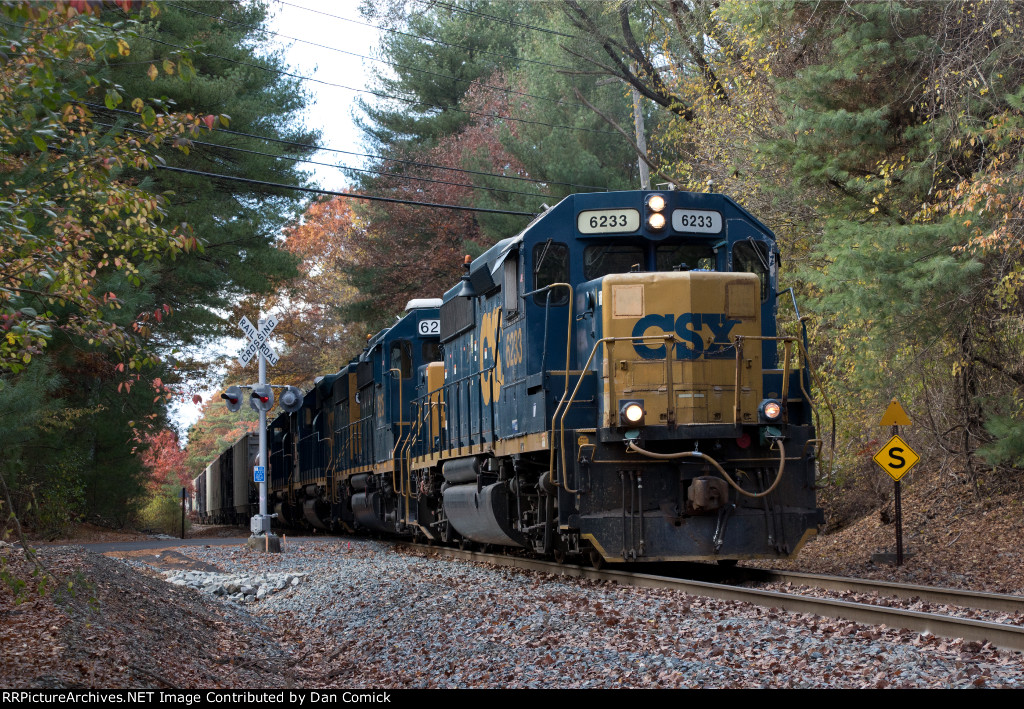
[[641, 141], [639, 132]]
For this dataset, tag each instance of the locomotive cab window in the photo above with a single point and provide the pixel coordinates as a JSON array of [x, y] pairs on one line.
[[551, 265], [431, 351], [401, 357], [751, 257], [685, 257], [603, 259], [510, 285]]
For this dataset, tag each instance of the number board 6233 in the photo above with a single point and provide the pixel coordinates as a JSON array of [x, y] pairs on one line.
[[702, 221], [608, 221]]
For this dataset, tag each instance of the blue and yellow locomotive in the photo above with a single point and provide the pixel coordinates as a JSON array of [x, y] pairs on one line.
[[610, 382]]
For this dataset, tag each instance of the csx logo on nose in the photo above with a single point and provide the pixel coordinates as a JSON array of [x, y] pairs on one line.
[[690, 328]]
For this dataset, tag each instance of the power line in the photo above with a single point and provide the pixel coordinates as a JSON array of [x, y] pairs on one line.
[[430, 39], [379, 94], [381, 61], [370, 155], [466, 10], [349, 195], [342, 167]]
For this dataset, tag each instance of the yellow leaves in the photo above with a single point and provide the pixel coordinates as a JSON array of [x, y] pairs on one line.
[[152, 73], [123, 48]]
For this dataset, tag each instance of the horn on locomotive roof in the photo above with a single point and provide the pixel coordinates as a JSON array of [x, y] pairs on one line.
[[466, 290]]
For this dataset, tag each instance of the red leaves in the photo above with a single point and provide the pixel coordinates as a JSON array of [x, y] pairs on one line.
[[165, 460], [209, 121]]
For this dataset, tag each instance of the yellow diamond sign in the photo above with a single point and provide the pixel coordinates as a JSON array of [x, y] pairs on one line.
[[896, 458]]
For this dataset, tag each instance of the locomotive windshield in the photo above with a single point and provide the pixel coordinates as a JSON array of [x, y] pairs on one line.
[[685, 257], [602, 259]]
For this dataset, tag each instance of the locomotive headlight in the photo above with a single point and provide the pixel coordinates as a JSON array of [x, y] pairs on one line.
[[631, 412], [656, 222], [770, 411], [653, 211]]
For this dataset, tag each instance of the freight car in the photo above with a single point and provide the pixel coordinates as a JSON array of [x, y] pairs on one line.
[[224, 493], [609, 383]]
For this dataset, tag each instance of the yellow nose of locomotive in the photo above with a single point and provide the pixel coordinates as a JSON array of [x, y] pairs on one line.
[[674, 352]]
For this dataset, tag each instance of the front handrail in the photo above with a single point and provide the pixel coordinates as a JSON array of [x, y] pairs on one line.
[[568, 402], [806, 361]]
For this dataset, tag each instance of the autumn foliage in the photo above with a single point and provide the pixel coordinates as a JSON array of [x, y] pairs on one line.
[[362, 261], [164, 458]]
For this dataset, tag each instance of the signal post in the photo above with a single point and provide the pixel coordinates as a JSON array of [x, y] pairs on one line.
[[261, 399], [896, 458]]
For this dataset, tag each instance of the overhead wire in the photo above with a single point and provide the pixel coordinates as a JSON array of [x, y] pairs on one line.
[[343, 167], [442, 43], [370, 155], [502, 20], [379, 94], [404, 67], [348, 195]]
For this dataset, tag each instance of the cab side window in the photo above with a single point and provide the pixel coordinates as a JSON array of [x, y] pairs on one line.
[[551, 265], [401, 357], [431, 351], [751, 257]]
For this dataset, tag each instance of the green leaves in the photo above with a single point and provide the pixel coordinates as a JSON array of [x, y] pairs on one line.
[[112, 99], [68, 222]]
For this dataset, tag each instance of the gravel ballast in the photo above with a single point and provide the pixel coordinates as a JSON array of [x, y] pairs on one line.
[[361, 613]]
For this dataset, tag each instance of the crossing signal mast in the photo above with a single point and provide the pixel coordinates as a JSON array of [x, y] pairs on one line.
[[261, 399]]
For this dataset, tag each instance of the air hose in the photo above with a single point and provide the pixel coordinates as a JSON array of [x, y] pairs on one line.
[[697, 454]]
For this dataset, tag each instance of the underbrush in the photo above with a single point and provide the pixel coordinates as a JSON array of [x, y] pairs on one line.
[[162, 513]]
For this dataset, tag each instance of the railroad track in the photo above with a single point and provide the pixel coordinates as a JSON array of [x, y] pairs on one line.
[[1002, 635]]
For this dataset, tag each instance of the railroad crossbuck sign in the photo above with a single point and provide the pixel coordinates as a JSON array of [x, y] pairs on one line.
[[896, 458], [258, 340]]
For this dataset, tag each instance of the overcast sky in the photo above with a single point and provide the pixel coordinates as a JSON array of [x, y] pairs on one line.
[[333, 107]]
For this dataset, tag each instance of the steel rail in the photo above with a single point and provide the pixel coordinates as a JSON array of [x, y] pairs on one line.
[[999, 635], [979, 600]]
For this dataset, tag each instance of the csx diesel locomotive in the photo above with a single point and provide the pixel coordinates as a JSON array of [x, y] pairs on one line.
[[610, 382]]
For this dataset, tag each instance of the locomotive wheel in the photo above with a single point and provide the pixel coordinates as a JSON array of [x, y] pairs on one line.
[[595, 558]]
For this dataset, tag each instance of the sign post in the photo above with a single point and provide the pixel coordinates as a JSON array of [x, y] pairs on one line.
[[262, 537], [896, 458]]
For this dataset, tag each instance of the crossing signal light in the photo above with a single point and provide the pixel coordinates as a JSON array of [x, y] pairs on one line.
[[262, 398], [233, 395], [291, 399]]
